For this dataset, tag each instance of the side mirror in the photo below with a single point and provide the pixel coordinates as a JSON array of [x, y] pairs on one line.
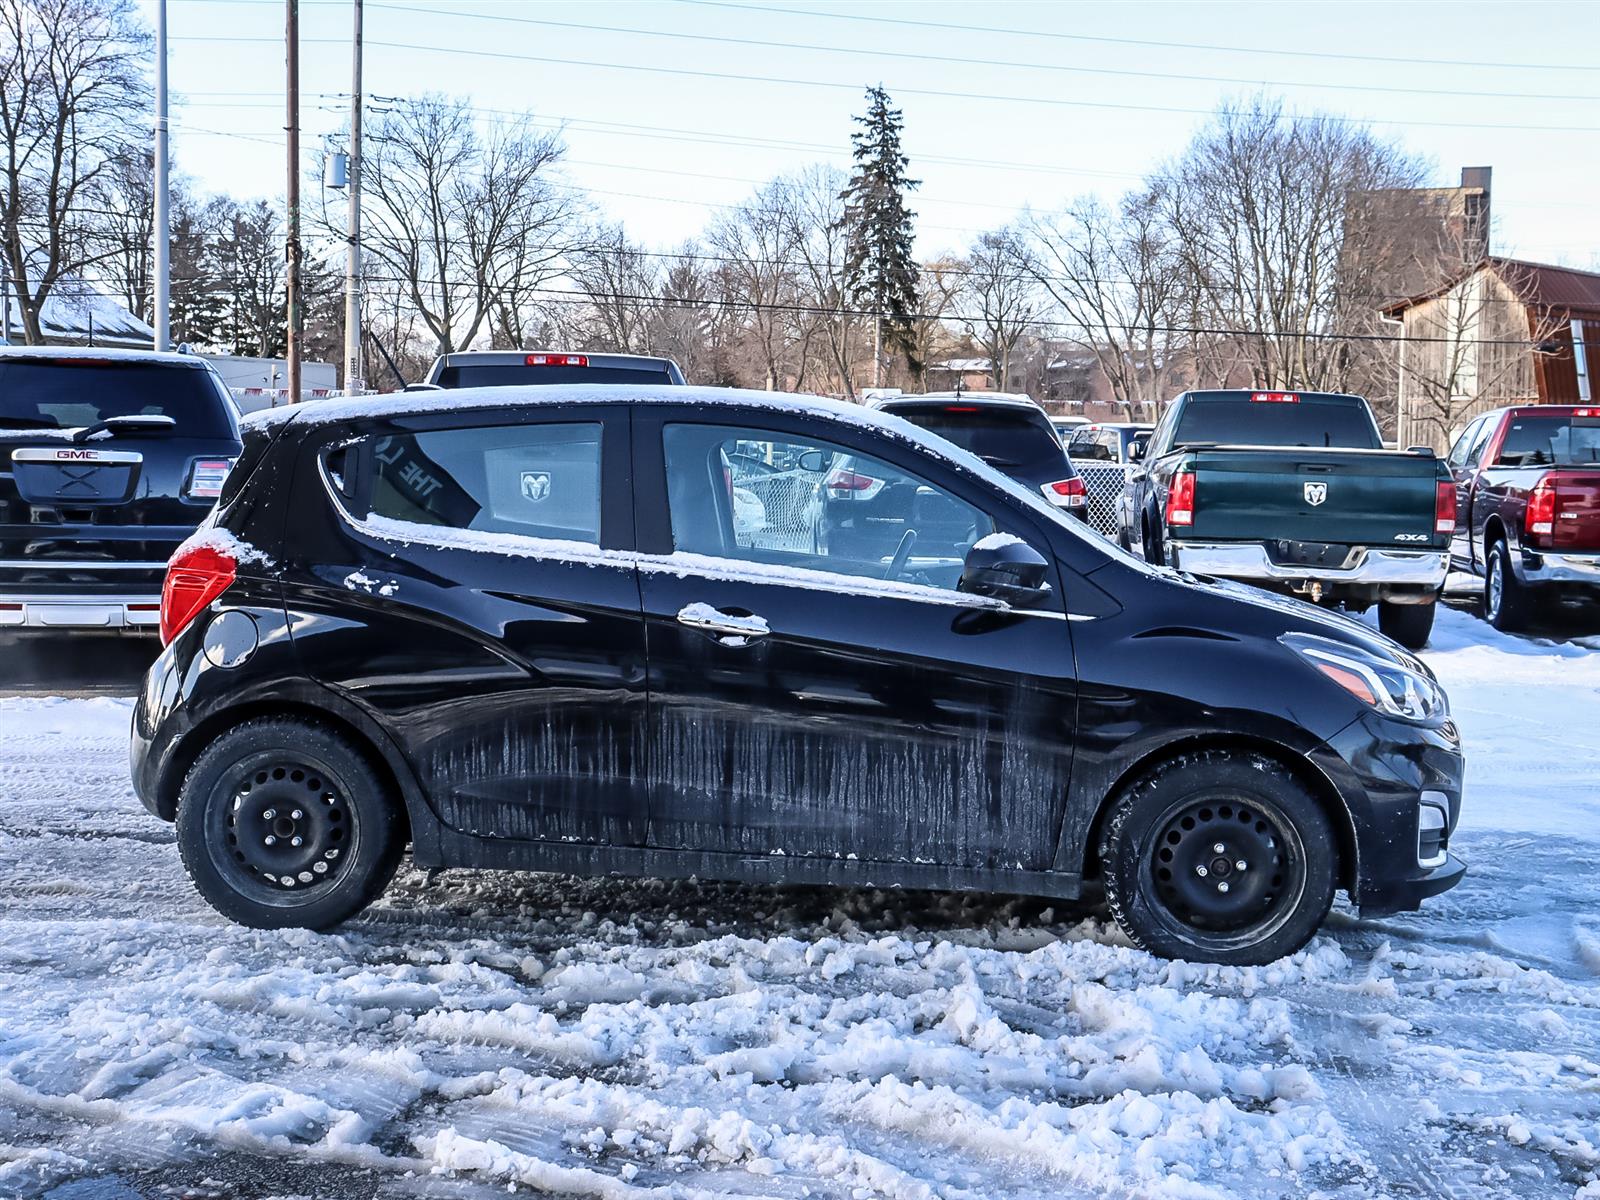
[[1005, 568], [1136, 449], [814, 462]]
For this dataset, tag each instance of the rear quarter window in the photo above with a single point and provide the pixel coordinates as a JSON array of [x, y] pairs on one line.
[[538, 480]]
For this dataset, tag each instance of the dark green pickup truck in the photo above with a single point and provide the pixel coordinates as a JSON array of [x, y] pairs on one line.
[[1294, 491]]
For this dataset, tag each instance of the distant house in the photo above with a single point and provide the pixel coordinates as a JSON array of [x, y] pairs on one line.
[[967, 374], [1502, 332], [79, 314]]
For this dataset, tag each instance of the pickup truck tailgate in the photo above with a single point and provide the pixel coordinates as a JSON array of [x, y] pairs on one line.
[[1357, 497], [1577, 510]]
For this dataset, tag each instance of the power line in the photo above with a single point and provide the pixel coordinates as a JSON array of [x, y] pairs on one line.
[[970, 61], [1120, 41], [735, 77]]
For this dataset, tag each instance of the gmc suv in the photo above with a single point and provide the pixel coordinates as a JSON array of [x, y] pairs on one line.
[[108, 460]]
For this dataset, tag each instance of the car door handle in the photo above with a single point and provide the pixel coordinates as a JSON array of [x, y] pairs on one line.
[[732, 625]]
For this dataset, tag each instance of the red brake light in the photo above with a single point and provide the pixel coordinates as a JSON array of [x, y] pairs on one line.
[[1066, 493], [1541, 517], [207, 477], [1180, 499], [556, 360], [1586, 412], [961, 408], [1444, 507], [194, 579], [1274, 398]]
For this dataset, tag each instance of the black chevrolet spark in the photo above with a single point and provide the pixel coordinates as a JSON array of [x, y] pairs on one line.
[[598, 631]]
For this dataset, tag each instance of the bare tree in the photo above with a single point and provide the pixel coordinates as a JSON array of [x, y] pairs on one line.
[[70, 79], [812, 201], [939, 285], [469, 222], [1001, 296], [619, 279], [1120, 281], [691, 323], [757, 280], [1280, 258]]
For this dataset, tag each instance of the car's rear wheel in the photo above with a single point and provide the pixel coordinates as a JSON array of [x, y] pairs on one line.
[[1408, 624], [1506, 603], [283, 823], [1219, 857]]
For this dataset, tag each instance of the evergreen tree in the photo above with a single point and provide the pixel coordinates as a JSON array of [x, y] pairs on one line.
[[880, 273]]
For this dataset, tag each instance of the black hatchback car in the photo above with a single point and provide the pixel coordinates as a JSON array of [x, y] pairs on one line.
[[538, 628]]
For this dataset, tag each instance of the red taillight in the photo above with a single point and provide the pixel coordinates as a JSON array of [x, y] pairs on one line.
[[556, 360], [1586, 412], [207, 477], [1444, 507], [842, 481], [961, 408], [194, 579], [1066, 493], [1274, 398], [1541, 518], [1180, 499]]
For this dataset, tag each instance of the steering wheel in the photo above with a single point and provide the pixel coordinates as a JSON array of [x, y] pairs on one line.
[[902, 552]]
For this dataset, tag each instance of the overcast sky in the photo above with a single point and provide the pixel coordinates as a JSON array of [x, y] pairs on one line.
[[670, 110]]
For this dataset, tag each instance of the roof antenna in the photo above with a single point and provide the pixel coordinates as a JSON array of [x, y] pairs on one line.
[[961, 384]]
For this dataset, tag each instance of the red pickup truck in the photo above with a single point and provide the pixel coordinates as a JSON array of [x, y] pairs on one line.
[[1528, 507]]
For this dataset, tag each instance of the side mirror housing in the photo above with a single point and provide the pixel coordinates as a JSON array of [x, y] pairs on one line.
[[1136, 449], [814, 462], [1004, 567]]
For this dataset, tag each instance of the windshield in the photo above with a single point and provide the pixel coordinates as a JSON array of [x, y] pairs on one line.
[[506, 374], [1537, 440], [71, 393], [1004, 437], [1247, 423]]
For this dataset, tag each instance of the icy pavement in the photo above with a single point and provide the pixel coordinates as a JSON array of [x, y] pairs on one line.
[[615, 1039]]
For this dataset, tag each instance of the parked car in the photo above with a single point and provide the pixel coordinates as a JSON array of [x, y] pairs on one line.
[[108, 460], [523, 628], [501, 368], [1064, 426], [1005, 429], [1527, 507], [1102, 454], [1293, 491]]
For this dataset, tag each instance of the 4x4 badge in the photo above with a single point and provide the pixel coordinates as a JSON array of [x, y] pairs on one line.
[[1316, 493], [535, 485]]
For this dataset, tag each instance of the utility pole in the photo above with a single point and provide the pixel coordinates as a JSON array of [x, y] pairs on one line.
[[353, 382], [292, 38], [163, 232]]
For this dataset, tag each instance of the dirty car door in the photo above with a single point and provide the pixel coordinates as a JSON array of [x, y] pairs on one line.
[[480, 602], [837, 699]]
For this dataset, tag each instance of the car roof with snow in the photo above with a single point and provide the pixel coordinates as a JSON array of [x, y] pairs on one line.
[[1002, 399], [170, 358]]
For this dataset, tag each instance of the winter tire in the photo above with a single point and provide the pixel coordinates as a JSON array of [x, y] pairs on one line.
[[1408, 624], [1506, 603], [283, 823], [1260, 897]]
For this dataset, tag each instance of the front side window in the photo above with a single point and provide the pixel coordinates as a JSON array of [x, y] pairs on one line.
[[1464, 443], [781, 500], [536, 480]]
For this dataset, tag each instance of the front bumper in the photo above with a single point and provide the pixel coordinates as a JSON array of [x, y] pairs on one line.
[[1537, 566], [39, 613], [1363, 566]]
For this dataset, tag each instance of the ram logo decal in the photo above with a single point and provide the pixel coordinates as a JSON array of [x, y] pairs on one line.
[[1316, 493], [535, 485]]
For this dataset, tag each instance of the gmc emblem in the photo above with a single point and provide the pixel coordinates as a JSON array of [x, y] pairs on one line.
[[76, 455]]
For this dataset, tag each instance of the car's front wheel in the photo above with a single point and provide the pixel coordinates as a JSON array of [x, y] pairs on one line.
[[1219, 857], [284, 823]]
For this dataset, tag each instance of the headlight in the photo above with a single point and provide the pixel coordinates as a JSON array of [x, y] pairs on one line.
[[1387, 686]]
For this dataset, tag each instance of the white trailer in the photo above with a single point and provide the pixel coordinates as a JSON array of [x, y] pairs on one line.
[[262, 382]]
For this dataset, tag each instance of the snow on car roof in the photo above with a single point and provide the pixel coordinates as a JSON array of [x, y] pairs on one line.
[[108, 353], [401, 404]]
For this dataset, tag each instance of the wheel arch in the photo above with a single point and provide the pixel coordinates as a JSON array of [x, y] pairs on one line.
[[1301, 767], [385, 758]]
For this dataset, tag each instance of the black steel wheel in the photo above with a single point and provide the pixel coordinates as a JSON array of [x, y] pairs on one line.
[[1219, 857], [284, 823]]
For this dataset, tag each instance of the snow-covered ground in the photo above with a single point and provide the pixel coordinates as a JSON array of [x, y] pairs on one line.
[[611, 1039]]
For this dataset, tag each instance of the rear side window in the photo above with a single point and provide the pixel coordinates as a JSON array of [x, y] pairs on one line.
[[1248, 423], [511, 374], [71, 393], [1002, 437], [1089, 445], [536, 480], [1557, 440]]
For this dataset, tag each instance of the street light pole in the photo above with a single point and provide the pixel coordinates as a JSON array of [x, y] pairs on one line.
[[353, 382], [292, 38], [162, 226]]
